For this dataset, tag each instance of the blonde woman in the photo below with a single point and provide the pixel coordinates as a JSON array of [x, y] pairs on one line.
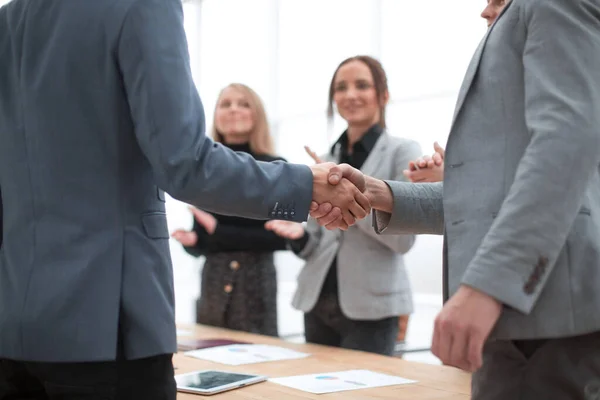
[[238, 284]]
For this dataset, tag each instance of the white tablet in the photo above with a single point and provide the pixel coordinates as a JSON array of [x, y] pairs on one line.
[[213, 382]]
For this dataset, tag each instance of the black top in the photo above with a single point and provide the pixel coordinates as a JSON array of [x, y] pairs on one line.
[[235, 233], [356, 158]]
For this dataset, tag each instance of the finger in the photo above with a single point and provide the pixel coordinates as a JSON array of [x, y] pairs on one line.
[[475, 351], [349, 218], [422, 162], [334, 214], [458, 350], [198, 215], [339, 223], [430, 163], [437, 159], [312, 155], [313, 206], [416, 176], [360, 207], [412, 166], [321, 211], [346, 171], [439, 149], [270, 225], [445, 340]]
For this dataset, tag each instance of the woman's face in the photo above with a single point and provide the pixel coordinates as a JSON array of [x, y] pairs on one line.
[[234, 117], [355, 95]]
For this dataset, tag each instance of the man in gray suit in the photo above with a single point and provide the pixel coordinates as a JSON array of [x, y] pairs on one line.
[[99, 115], [519, 207]]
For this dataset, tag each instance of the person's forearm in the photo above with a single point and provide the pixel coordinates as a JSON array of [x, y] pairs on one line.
[[380, 195]]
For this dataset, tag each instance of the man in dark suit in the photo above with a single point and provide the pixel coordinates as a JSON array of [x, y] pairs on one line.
[[99, 115]]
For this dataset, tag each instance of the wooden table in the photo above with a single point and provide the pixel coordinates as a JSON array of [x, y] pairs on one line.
[[434, 382]]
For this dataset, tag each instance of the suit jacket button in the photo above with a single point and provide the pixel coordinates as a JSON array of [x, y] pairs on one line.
[[228, 288], [234, 265]]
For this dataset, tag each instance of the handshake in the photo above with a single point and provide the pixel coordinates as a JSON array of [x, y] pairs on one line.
[[342, 195]]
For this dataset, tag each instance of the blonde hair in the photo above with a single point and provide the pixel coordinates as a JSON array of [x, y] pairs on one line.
[[260, 139]]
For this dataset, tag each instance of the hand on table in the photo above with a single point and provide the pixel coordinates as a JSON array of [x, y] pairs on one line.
[[427, 168], [463, 326]]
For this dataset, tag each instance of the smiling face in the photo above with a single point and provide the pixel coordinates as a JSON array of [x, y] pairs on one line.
[[234, 116], [492, 10], [355, 94]]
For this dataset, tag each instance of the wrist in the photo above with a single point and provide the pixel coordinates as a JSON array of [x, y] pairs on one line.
[[379, 195]]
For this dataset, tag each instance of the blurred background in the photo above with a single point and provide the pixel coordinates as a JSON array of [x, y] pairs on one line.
[[287, 50]]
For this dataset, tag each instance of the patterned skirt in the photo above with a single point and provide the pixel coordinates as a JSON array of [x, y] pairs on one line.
[[238, 290]]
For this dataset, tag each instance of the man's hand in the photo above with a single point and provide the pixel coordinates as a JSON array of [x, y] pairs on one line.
[[205, 219], [427, 168], [463, 326], [329, 186], [377, 191]]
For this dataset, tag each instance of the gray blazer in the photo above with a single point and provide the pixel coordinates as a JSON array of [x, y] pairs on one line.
[[99, 115], [521, 196], [373, 282]]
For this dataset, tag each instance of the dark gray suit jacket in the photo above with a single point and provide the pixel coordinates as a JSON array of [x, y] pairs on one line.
[[99, 115]]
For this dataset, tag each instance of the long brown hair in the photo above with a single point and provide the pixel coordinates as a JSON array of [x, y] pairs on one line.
[[379, 79], [260, 139]]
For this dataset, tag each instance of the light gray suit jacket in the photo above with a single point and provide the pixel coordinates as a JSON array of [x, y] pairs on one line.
[[520, 202], [98, 111], [373, 282]]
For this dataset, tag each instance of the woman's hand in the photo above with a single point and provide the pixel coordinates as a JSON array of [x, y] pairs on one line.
[[427, 168], [286, 229], [186, 238], [205, 219]]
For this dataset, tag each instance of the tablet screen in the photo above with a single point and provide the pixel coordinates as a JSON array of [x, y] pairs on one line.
[[210, 379]]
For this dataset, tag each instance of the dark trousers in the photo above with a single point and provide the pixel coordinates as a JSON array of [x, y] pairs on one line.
[[151, 378], [326, 324], [549, 369]]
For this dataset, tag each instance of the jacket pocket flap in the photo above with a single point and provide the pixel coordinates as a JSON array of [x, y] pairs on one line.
[[155, 225]]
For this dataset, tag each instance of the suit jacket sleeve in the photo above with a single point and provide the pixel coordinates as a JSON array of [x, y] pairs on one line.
[[418, 209], [561, 61], [410, 150], [169, 125]]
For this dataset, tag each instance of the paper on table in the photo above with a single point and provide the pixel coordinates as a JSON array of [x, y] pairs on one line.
[[241, 354], [340, 381], [183, 332]]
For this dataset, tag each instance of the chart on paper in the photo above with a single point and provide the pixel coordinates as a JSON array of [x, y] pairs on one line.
[[340, 381], [246, 354]]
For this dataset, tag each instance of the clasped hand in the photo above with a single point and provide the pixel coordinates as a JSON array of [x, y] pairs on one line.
[[339, 198]]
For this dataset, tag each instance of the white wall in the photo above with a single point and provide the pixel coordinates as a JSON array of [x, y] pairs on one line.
[[287, 50]]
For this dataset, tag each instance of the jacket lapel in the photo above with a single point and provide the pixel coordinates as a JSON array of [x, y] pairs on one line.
[[374, 159], [472, 69], [376, 156]]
